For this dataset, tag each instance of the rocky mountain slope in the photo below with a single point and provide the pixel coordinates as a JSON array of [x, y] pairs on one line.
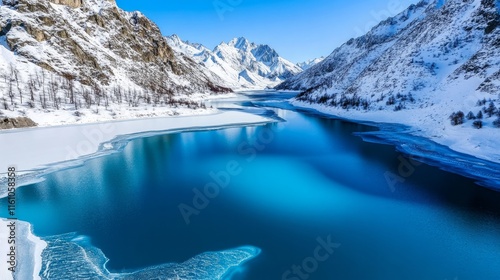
[[434, 50], [95, 49], [417, 68], [240, 63]]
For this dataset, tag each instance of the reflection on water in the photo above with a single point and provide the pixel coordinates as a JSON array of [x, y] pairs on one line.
[[310, 178]]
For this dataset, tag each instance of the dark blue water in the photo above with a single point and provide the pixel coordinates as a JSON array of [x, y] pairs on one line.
[[286, 188]]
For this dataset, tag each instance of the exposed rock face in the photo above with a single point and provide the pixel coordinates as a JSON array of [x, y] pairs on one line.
[[8, 123], [96, 42]]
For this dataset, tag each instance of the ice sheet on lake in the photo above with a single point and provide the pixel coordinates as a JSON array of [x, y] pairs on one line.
[[83, 142], [69, 256], [486, 173]]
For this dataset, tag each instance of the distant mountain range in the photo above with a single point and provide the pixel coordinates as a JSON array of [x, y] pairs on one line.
[[239, 63]]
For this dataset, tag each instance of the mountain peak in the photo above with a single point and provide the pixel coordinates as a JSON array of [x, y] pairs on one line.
[[239, 43], [175, 38]]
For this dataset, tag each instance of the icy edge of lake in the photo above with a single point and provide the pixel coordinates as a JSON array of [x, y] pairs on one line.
[[73, 256], [38, 152], [28, 252], [420, 145]]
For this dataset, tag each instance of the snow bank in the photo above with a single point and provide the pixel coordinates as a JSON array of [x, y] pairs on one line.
[[29, 252]]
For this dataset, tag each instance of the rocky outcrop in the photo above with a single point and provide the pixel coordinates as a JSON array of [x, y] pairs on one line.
[[20, 122]]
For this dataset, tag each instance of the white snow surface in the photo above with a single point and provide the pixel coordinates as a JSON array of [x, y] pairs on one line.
[[310, 63], [29, 252]]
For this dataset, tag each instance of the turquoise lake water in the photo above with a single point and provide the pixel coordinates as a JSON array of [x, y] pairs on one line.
[[286, 188]]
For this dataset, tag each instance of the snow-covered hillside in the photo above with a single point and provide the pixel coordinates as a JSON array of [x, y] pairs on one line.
[[417, 68], [240, 63], [310, 63], [74, 58]]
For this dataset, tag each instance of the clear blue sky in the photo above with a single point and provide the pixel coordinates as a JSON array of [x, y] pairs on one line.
[[298, 29]]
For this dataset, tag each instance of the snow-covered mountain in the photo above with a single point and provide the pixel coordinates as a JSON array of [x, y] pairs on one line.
[[435, 50], [435, 58], [93, 47], [240, 63], [310, 63]]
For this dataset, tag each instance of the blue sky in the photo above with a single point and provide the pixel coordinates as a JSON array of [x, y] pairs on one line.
[[298, 29]]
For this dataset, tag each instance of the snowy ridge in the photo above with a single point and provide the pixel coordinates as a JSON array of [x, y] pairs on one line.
[[417, 68], [239, 63]]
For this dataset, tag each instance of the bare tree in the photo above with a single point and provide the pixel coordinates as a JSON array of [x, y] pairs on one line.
[[128, 96], [43, 101], [10, 88], [117, 91], [70, 82], [31, 87], [41, 81], [97, 92], [38, 79], [106, 100], [15, 73], [5, 104], [53, 89]]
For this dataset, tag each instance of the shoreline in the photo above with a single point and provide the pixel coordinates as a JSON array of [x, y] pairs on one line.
[[376, 118], [420, 143], [86, 141]]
